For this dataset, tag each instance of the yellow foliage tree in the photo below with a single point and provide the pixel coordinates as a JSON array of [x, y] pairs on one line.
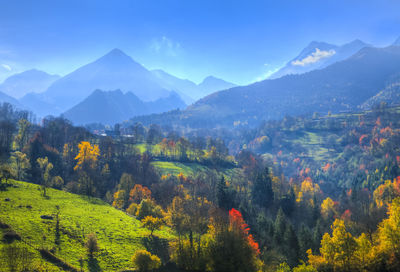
[[152, 223], [389, 233], [337, 251], [328, 208], [87, 156], [119, 199]]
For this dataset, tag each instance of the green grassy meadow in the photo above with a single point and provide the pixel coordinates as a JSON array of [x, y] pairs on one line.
[[119, 235]]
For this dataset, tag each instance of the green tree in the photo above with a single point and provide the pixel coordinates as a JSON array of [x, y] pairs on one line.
[[45, 168], [262, 193], [23, 133], [20, 164], [291, 245], [279, 228]]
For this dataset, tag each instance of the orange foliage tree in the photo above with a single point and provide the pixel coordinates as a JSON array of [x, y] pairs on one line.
[[237, 224]]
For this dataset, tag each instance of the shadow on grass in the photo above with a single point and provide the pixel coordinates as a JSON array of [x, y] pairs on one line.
[[93, 264], [157, 246]]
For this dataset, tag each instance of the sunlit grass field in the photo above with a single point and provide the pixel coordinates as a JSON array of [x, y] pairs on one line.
[[119, 235]]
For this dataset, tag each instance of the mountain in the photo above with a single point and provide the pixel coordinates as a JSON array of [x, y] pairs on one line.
[[115, 70], [397, 42], [31, 81], [389, 95], [4, 98], [342, 86], [212, 84], [318, 55], [188, 90], [110, 107]]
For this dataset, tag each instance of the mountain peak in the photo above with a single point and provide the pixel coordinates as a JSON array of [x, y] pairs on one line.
[[397, 42], [357, 42], [213, 84], [116, 54]]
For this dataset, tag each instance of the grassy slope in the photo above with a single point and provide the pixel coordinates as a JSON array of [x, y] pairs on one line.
[[174, 168], [188, 169], [119, 235]]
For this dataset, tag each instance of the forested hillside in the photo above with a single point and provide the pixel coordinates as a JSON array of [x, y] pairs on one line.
[[308, 194]]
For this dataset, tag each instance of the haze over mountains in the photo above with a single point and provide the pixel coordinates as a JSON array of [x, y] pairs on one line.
[[45, 94], [319, 55], [323, 77], [31, 81], [342, 86], [189, 90], [110, 107]]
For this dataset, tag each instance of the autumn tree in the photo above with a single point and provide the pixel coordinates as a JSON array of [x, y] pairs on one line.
[[328, 209], [87, 156], [145, 261], [119, 199], [152, 223], [337, 250], [389, 234], [233, 248], [189, 217], [86, 164], [138, 193], [148, 207]]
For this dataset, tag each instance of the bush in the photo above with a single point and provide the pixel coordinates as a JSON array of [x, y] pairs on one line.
[[145, 261], [91, 244]]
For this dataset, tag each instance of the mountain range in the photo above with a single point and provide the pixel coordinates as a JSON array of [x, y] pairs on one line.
[[46, 94], [341, 78], [318, 55], [343, 86], [31, 81], [110, 107], [189, 90]]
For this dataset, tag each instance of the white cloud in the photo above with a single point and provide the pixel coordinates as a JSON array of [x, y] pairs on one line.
[[166, 46], [314, 57], [7, 67]]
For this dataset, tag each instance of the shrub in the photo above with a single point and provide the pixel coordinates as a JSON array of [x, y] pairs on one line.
[[91, 244], [145, 261]]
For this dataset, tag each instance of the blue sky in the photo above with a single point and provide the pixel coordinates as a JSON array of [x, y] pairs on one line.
[[240, 41]]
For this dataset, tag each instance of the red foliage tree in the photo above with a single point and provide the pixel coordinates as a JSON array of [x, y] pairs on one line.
[[237, 223]]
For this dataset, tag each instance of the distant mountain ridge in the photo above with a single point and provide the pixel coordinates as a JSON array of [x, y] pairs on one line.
[[115, 70], [30, 81], [189, 90], [110, 107], [318, 55], [340, 87], [212, 84]]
